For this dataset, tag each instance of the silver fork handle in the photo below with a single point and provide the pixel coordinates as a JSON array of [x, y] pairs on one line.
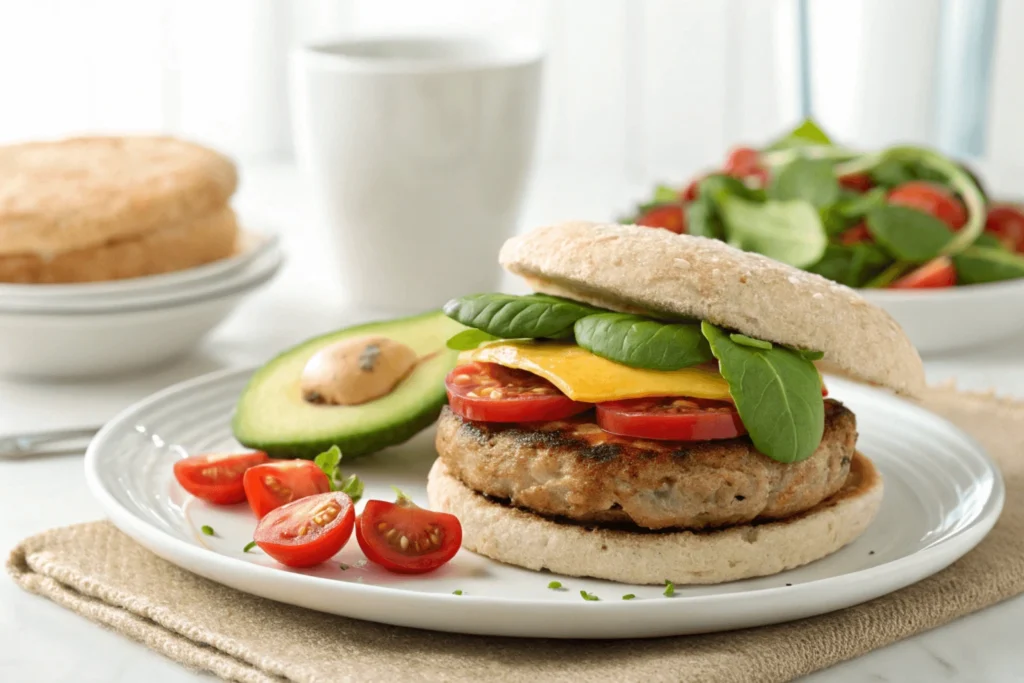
[[44, 444]]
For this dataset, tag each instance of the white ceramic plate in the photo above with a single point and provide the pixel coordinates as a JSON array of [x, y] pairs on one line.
[[943, 495]]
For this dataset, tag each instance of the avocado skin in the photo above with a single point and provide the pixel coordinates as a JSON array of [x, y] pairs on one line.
[[390, 433], [351, 447]]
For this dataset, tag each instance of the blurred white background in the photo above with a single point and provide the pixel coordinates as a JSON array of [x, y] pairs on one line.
[[649, 87]]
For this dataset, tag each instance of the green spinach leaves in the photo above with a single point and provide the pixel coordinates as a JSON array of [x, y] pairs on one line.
[[777, 392], [908, 234], [535, 316], [641, 342], [787, 231]]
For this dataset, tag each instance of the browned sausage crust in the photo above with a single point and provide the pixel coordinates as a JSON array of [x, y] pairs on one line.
[[574, 469]]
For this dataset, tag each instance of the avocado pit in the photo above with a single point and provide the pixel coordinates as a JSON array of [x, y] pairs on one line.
[[356, 370]]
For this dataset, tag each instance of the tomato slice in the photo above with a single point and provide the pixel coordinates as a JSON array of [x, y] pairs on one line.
[[307, 531], [1007, 224], [671, 419], [742, 161], [217, 477], [858, 182], [274, 484], [691, 191], [930, 198], [404, 538], [936, 273], [487, 392], [670, 217]]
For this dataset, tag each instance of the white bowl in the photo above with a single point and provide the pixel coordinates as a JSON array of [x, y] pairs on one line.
[[955, 318], [114, 340]]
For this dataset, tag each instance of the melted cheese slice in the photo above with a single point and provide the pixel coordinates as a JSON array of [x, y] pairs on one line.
[[582, 376]]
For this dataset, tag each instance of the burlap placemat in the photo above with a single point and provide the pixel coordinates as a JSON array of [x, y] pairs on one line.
[[98, 572]]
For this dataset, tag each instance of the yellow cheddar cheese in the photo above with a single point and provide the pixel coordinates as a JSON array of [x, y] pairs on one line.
[[582, 376]]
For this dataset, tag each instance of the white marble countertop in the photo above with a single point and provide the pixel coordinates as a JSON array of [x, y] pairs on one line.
[[43, 643]]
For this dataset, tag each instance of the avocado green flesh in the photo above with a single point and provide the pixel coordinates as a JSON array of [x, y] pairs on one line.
[[272, 415]]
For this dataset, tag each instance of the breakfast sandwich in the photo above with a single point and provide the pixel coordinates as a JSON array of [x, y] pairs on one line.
[[107, 208], [654, 410]]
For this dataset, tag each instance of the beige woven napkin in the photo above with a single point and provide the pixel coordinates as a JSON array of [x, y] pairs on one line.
[[98, 572]]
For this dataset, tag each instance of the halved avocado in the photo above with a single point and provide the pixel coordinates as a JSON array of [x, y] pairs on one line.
[[272, 415]]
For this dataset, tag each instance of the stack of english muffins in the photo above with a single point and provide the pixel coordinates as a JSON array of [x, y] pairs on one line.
[[109, 208], [104, 237]]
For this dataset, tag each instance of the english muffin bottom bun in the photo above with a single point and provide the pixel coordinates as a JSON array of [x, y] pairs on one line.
[[105, 208], [654, 410]]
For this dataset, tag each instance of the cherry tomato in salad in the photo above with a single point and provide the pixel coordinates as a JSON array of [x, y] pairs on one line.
[[1007, 224], [858, 182], [855, 235], [404, 538], [217, 477], [273, 484], [671, 217], [691, 191], [671, 419], [307, 531], [932, 199], [491, 393], [742, 161], [936, 273]]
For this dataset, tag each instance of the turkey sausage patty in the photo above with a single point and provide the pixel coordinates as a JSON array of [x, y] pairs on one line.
[[572, 468]]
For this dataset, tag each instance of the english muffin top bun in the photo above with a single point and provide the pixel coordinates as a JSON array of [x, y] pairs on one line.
[[160, 203], [635, 269]]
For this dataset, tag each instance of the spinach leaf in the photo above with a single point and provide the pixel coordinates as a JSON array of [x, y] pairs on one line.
[[665, 195], [787, 231], [908, 234], [507, 316], [806, 134], [977, 265], [777, 393], [641, 342], [806, 179], [834, 222], [744, 340], [702, 216], [702, 220], [855, 205], [990, 241], [469, 339], [809, 355], [892, 172]]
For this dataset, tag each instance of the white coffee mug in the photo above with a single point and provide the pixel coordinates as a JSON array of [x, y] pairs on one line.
[[417, 153]]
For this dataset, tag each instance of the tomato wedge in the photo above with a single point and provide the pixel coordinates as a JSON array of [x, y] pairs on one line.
[[217, 477], [932, 199], [671, 419], [858, 182], [307, 531], [936, 273], [855, 235], [274, 484], [404, 538], [1007, 224], [670, 217], [487, 392]]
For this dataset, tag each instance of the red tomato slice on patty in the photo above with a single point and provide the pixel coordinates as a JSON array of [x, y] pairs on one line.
[[932, 275], [932, 199], [307, 531], [404, 538], [671, 419], [273, 484], [217, 477], [487, 392], [1007, 224], [670, 217]]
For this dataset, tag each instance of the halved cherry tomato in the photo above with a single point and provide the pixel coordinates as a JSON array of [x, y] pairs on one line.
[[217, 477], [670, 217], [855, 235], [742, 161], [691, 191], [307, 531], [274, 484], [671, 419], [858, 182], [936, 273], [491, 393], [930, 198], [404, 538], [1007, 224]]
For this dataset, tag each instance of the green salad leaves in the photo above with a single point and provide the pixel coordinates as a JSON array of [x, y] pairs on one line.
[[777, 390]]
